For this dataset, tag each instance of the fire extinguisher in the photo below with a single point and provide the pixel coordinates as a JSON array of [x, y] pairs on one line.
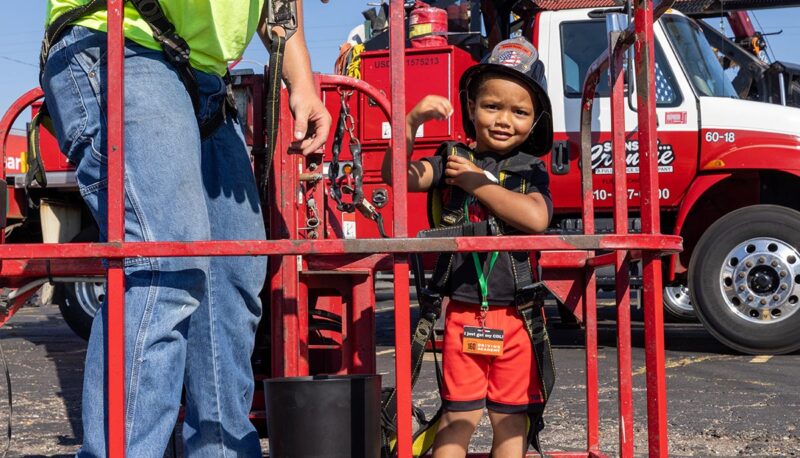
[[427, 26]]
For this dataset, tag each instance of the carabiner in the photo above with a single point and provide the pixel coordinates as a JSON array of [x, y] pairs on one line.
[[281, 15]]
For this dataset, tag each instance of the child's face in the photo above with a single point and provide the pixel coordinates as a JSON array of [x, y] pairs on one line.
[[502, 113]]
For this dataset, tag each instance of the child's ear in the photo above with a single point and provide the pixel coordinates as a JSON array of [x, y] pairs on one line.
[[471, 109]]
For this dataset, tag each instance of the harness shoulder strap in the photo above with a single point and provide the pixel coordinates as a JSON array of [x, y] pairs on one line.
[[516, 175], [176, 50]]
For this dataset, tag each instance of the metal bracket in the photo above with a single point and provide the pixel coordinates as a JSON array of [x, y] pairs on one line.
[[282, 15]]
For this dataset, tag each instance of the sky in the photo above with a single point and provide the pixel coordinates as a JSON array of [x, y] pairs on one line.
[[327, 26]]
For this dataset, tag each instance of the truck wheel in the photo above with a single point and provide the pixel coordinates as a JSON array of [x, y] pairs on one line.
[[744, 277], [78, 302], [678, 303]]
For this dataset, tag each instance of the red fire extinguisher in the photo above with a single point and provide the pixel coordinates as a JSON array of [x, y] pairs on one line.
[[427, 26]]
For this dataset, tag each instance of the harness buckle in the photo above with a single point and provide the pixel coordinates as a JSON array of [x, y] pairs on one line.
[[531, 296], [430, 303], [174, 46], [281, 16]]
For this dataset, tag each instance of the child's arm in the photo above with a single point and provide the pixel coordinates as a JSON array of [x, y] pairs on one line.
[[420, 173], [526, 212]]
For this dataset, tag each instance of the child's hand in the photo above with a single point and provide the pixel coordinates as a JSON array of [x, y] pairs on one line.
[[463, 173], [430, 108]]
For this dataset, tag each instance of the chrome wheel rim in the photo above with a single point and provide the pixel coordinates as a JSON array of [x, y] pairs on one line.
[[760, 280]]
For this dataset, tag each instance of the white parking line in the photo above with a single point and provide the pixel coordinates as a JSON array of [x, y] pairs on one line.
[[761, 359], [384, 352]]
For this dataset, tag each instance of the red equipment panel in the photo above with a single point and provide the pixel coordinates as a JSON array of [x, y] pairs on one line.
[[439, 69], [428, 71]]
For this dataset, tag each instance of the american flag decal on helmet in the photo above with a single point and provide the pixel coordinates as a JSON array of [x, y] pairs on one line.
[[510, 58]]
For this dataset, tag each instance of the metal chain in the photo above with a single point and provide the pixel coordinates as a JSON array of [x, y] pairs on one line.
[[347, 123]]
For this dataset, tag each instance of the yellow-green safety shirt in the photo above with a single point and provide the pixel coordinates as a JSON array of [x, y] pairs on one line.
[[217, 31]]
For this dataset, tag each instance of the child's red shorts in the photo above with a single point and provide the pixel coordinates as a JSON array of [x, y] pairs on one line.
[[508, 383]]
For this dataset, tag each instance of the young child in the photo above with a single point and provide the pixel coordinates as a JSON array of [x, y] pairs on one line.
[[507, 112]]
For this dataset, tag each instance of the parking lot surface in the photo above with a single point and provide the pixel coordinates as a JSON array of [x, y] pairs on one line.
[[719, 403]]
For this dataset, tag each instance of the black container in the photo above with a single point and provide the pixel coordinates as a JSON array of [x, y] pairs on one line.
[[324, 416]]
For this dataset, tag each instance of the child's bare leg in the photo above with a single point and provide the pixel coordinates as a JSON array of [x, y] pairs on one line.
[[455, 431], [508, 434]]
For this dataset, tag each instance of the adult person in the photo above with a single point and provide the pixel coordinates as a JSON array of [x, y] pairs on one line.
[[191, 319]]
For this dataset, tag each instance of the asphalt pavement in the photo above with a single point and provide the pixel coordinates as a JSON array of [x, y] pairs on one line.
[[720, 403]]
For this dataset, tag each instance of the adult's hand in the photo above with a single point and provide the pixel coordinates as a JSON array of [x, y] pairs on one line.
[[312, 122]]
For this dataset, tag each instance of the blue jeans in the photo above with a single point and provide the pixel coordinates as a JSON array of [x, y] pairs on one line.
[[187, 320]]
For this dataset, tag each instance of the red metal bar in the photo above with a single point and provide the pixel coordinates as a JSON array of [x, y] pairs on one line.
[[624, 359], [402, 325], [549, 455], [362, 359], [288, 357], [622, 265], [39, 268], [116, 230], [652, 242], [11, 115], [655, 360], [592, 401], [648, 176], [367, 89]]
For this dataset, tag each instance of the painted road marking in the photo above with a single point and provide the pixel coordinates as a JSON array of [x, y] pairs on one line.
[[761, 359], [687, 361], [384, 352]]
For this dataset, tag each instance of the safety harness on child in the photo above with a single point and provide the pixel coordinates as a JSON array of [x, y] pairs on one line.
[[448, 218], [281, 22]]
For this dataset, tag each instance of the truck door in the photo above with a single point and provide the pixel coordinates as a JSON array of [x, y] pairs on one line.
[[574, 40]]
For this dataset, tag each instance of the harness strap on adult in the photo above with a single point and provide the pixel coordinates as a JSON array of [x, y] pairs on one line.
[[272, 107], [176, 51], [57, 27]]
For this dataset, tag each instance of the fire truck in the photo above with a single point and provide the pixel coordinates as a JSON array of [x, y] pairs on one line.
[[727, 159]]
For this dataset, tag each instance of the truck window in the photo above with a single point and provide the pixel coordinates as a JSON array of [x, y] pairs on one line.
[[698, 59], [583, 41]]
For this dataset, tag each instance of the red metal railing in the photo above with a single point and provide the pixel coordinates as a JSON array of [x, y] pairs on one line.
[[289, 320]]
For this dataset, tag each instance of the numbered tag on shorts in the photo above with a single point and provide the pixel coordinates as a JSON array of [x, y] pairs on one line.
[[482, 341]]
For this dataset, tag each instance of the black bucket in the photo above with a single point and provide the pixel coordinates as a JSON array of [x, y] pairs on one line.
[[324, 416]]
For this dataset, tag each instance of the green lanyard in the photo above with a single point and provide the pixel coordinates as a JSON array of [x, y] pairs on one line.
[[482, 278]]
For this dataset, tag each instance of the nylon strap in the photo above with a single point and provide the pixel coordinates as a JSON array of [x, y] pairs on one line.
[[57, 27], [176, 51], [483, 278], [272, 108], [175, 48]]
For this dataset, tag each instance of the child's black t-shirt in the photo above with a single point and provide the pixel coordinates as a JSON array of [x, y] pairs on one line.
[[463, 281]]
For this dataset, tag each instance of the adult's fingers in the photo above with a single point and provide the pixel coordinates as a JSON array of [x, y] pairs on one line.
[[321, 123]]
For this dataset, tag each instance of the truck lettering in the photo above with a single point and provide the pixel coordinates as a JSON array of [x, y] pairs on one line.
[[410, 61], [13, 164], [602, 158], [724, 137]]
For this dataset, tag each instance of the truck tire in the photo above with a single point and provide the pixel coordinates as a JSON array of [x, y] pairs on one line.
[[78, 302], [678, 303], [744, 277]]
